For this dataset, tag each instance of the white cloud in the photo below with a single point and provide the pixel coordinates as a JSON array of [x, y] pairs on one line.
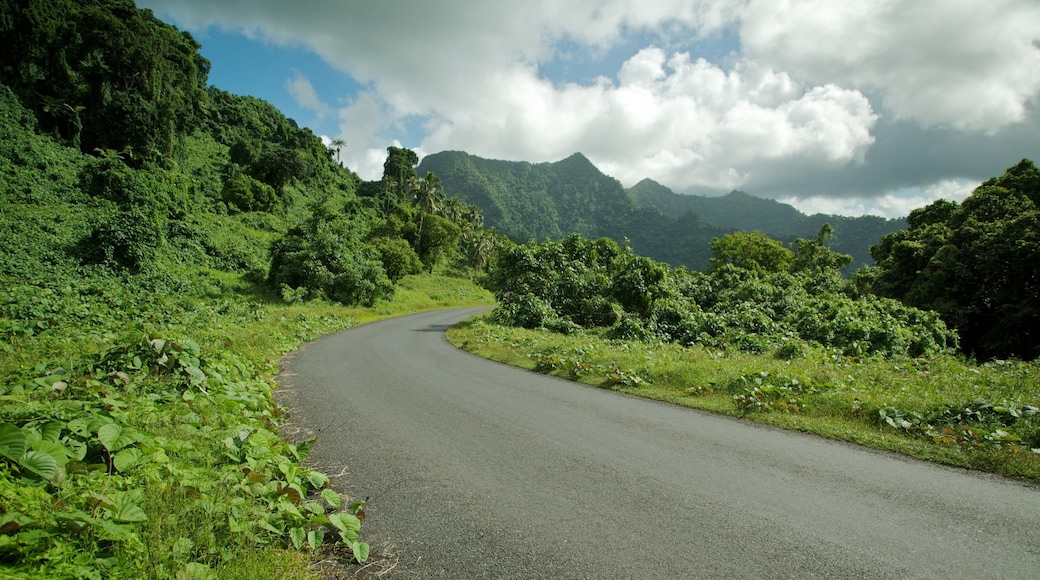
[[801, 97], [304, 94], [890, 205], [969, 64], [684, 121]]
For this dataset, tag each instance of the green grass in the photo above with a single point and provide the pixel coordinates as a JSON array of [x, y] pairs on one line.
[[943, 409], [159, 407]]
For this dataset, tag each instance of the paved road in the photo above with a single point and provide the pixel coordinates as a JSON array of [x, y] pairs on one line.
[[478, 470]]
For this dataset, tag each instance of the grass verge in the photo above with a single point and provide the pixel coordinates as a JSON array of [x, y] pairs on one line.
[[944, 409]]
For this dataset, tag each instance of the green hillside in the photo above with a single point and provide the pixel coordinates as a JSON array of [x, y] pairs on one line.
[[550, 200], [741, 211], [536, 201], [162, 243]]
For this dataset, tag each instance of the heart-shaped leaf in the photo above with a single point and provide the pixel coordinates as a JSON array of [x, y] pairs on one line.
[[315, 538], [127, 458], [298, 537], [12, 442], [127, 511], [331, 497], [40, 463]]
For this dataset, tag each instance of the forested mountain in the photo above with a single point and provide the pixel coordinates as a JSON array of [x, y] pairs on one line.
[[535, 201], [550, 200], [741, 211]]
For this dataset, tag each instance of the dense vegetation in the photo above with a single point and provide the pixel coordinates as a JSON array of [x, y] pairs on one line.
[[161, 243], [738, 211], [977, 264], [551, 200], [757, 296]]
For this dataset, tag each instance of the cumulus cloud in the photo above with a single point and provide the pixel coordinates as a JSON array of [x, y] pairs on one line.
[[972, 65], [797, 107], [304, 94], [683, 120], [890, 205]]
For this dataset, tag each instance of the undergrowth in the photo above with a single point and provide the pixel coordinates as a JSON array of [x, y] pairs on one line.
[[138, 433]]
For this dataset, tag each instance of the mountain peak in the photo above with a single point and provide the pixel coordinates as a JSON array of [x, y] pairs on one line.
[[577, 158]]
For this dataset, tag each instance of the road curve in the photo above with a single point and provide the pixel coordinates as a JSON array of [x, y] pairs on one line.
[[479, 470]]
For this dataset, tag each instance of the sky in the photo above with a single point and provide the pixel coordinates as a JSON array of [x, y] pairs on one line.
[[851, 108]]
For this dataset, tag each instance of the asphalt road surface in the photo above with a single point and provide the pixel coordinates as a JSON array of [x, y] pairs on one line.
[[479, 470]]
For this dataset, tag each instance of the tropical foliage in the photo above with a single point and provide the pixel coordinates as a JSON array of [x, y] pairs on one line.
[[976, 263], [161, 243], [757, 297]]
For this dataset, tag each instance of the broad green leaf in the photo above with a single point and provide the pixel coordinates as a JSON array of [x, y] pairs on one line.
[[77, 448], [284, 505], [197, 376], [55, 449], [77, 468], [127, 511], [12, 442], [360, 550], [115, 437], [267, 526], [40, 463], [319, 520], [108, 434], [127, 458], [298, 537], [189, 346], [103, 501], [51, 431], [79, 427], [317, 479], [113, 531], [331, 497], [315, 538], [347, 524]]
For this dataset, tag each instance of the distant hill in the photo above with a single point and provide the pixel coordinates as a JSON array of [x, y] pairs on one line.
[[742, 211], [534, 201]]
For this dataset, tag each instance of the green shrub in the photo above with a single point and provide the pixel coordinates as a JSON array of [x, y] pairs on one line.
[[326, 256], [243, 193], [128, 240], [397, 256], [525, 311], [598, 311], [630, 327]]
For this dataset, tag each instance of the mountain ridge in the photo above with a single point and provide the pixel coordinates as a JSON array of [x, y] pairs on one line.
[[532, 201]]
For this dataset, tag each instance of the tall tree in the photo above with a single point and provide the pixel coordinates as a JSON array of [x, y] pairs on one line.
[[977, 264], [399, 168], [338, 144], [104, 74], [429, 195]]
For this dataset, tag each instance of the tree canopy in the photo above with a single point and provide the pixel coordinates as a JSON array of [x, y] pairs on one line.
[[976, 263], [746, 301], [102, 74]]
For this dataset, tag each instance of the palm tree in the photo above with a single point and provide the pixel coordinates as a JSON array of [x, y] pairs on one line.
[[429, 194], [338, 144]]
